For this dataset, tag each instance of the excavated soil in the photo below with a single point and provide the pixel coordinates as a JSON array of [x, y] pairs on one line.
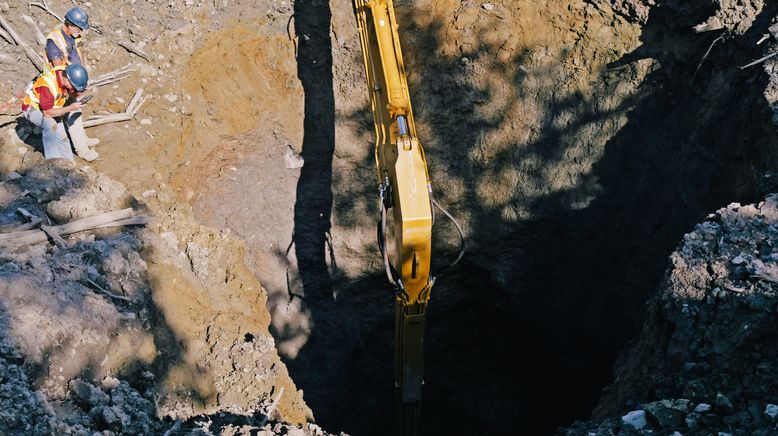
[[575, 141], [574, 144], [124, 330], [704, 361]]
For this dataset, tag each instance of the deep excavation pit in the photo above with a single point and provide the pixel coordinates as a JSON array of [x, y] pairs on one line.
[[575, 143]]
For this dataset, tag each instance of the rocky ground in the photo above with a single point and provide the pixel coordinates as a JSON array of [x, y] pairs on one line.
[[705, 360], [574, 141], [130, 330], [193, 338]]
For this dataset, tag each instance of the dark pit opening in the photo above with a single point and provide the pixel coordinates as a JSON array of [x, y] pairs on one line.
[[531, 350]]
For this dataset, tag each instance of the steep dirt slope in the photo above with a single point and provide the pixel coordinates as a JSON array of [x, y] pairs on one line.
[[482, 102], [575, 141], [172, 310]]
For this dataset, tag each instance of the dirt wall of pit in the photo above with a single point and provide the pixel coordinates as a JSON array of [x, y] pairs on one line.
[[576, 141]]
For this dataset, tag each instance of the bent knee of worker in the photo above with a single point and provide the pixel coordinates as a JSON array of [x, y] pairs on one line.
[[53, 129], [49, 123], [34, 116]]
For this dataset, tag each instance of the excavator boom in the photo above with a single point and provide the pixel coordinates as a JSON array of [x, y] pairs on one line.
[[405, 188]]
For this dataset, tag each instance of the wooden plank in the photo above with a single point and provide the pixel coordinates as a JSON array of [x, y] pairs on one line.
[[108, 219], [31, 225], [136, 220], [104, 291], [14, 235], [34, 57], [51, 232], [134, 49], [25, 213], [6, 36], [760, 60], [39, 37], [127, 115]]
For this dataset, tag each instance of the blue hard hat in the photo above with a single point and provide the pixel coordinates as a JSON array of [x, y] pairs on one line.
[[77, 76], [78, 18]]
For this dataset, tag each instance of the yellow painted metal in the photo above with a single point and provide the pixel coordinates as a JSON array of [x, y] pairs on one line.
[[400, 160], [399, 157]]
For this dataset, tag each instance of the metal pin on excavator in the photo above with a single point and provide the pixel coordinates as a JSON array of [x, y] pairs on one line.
[[404, 188]]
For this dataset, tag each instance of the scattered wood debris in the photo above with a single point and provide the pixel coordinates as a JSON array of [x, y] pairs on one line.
[[34, 57], [124, 217], [272, 407], [113, 76], [759, 61], [133, 48], [33, 221], [39, 37], [108, 293], [46, 8], [127, 115]]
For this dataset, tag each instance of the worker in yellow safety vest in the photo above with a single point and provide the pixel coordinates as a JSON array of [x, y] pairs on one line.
[[46, 106], [63, 47], [63, 43]]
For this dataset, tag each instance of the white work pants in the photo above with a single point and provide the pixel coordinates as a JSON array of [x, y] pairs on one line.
[[55, 138]]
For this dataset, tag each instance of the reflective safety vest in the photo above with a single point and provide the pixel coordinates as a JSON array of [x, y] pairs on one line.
[[59, 40], [49, 80]]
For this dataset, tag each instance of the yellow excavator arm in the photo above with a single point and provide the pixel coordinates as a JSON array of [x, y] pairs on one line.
[[405, 189]]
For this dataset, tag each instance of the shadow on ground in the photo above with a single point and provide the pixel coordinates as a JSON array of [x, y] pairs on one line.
[[529, 350]]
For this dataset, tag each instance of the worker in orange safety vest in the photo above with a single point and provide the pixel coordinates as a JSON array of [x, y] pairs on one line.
[[46, 106]]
